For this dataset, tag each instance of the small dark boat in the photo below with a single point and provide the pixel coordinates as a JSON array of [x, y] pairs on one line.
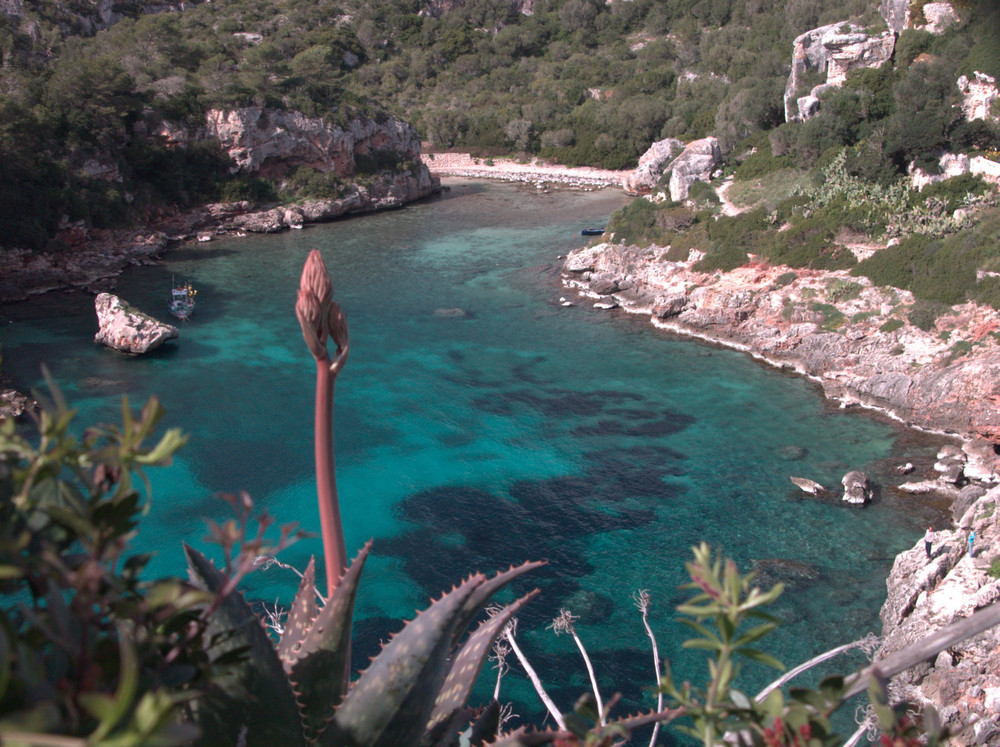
[[592, 232]]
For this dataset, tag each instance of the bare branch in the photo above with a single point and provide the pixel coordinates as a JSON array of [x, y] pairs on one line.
[[642, 600], [864, 643], [925, 649], [508, 632]]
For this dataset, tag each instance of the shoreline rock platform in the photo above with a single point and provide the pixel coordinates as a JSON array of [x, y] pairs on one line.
[[802, 321]]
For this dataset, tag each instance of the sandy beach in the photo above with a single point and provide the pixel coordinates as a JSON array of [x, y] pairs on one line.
[[509, 169]]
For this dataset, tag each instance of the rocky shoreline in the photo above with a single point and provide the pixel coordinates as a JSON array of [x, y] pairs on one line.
[[94, 258], [91, 259], [853, 339], [849, 336]]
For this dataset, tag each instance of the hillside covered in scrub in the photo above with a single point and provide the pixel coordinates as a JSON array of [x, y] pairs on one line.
[[107, 109]]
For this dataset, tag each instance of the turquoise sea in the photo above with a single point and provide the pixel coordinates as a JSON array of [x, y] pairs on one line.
[[518, 429]]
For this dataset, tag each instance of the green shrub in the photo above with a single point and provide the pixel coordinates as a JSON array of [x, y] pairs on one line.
[[987, 291], [994, 570], [675, 218], [833, 319], [891, 325], [703, 193], [910, 44], [843, 290], [924, 314], [951, 192], [731, 237], [252, 188], [960, 348], [635, 223], [306, 181], [924, 266], [808, 242], [761, 163]]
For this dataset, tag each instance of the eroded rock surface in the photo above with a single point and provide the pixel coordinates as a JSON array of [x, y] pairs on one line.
[[685, 164], [846, 344], [652, 165], [979, 94], [924, 595], [835, 49], [266, 141], [125, 328]]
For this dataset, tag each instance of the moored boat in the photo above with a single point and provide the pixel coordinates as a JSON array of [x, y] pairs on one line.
[[592, 232], [182, 300]]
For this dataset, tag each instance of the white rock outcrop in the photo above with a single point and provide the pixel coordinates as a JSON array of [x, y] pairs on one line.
[[939, 17], [979, 94], [857, 488], [652, 165], [262, 140], [956, 164], [685, 164], [125, 328], [896, 13], [835, 49]]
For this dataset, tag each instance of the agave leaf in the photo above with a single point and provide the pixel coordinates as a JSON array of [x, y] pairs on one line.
[[487, 589], [485, 725], [300, 617], [392, 701], [464, 670], [482, 726], [317, 667], [254, 692], [523, 738]]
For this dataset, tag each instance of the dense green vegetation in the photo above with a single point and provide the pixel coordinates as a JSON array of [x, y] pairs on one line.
[[577, 81]]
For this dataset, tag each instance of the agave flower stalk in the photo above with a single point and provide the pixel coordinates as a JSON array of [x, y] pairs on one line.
[[563, 623], [509, 632], [321, 319], [642, 600]]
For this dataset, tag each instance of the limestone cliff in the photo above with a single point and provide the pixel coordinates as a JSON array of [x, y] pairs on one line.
[[270, 142], [833, 50], [847, 346], [258, 141]]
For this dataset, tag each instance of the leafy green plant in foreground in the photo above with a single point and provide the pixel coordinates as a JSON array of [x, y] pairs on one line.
[[88, 649]]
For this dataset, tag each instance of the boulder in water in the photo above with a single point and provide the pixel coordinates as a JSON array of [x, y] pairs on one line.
[[125, 328], [857, 488], [13, 404], [807, 486]]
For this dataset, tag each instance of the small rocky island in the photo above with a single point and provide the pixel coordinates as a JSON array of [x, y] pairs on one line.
[[123, 327]]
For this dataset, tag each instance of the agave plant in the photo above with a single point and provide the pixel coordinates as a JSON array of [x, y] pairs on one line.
[[292, 693]]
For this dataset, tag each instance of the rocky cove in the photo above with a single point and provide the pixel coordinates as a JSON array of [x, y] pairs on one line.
[[725, 308], [257, 141], [839, 331]]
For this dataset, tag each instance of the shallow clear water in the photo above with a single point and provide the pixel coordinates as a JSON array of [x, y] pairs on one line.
[[521, 430]]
